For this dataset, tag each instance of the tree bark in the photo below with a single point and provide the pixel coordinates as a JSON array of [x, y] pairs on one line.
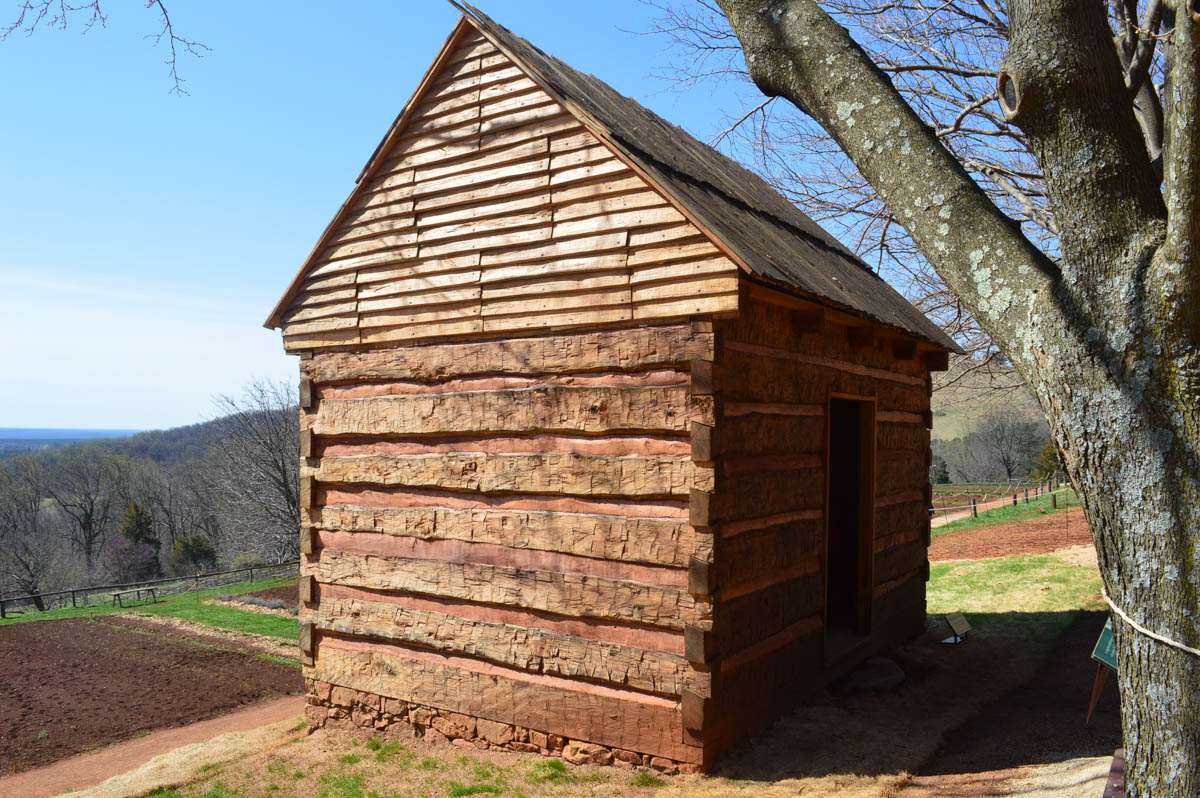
[[1106, 337]]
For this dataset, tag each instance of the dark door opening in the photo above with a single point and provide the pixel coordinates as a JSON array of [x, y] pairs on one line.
[[851, 521]]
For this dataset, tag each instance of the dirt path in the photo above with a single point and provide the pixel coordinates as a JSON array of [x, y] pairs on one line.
[[86, 770], [941, 519]]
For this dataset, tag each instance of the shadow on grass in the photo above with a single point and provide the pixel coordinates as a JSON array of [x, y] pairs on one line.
[[1015, 693]]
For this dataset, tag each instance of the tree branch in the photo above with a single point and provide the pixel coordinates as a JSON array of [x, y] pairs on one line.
[[168, 32], [1063, 84], [717, 139], [1181, 165], [795, 50], [1034, 213]]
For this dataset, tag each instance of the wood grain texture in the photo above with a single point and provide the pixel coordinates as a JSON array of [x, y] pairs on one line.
[[593, 713], [549, 409], [489, 165], [636, 348], [658, 541], [528, 649], [564, 594], [575, 474]]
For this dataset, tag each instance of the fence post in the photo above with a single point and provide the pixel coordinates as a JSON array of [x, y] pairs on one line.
[[72, 599], [2, 615], [974, 508], [251, 573], [1014, 499], [1053, 501]]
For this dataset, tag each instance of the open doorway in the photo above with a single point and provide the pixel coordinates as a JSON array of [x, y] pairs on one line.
[[851, 515]]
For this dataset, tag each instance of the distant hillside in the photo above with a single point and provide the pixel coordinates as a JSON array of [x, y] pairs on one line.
[[166, 447], [961, 400], [17, 439]]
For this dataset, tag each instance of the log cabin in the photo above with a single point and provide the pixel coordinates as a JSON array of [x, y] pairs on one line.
[[608, 451]]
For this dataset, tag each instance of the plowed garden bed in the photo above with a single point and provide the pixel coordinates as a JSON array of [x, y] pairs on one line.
[[71, 685], [288, 594], [1035, 536]]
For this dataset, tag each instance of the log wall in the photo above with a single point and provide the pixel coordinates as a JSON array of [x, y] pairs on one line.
[[773, 373], [499, 529], [563, 468], [493, 209]]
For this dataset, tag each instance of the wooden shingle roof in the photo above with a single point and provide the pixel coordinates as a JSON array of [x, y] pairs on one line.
[[770, 237]]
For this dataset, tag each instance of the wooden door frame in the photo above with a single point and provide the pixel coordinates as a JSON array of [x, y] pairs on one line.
[[867, 444]]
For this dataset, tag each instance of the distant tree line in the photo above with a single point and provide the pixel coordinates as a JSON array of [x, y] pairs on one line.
[[161, 503], [1001, 446]]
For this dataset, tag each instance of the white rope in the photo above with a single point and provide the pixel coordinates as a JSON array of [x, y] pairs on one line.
[[1145, 631]]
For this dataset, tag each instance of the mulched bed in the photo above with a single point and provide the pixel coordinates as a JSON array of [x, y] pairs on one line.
[[1036, 536], [288, 594], [77, 684]]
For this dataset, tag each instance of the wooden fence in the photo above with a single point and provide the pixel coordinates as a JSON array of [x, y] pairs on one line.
[[85, 596]]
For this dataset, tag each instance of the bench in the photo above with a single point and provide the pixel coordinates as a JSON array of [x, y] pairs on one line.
[[138, 591]]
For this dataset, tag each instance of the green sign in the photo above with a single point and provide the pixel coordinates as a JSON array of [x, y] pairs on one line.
[[1104, 652]]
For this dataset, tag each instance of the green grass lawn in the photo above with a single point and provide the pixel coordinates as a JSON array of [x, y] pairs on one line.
[[1031, 583], [191, 607], [1012, 513]]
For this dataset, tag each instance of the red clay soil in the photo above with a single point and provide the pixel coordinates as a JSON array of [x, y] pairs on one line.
[[77, 684], [1039, 723], [1035, 536], [288, 594]]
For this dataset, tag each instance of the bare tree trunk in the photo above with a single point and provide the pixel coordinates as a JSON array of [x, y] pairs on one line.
[[1107, 337]]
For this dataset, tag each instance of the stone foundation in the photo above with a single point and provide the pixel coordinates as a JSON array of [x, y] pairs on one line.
[[333, 707]]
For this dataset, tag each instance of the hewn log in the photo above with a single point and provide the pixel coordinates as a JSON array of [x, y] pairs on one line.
[[576, 474], [759, 553], [576, 710], [396, 546], [761, 434], [565, 594], [755, 376], [306, 643], [901, 516], [636, 348], [746, 620], [527, 648], [900, 560], [660, 541], [550, 409], [750, 495], [306, 540]]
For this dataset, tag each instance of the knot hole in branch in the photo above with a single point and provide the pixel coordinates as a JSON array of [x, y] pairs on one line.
[[1008, 88]]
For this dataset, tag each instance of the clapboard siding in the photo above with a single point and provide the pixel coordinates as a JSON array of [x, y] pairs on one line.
[[496, 211]]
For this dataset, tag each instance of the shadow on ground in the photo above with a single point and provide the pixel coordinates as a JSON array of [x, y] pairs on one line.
[[1015, 693]]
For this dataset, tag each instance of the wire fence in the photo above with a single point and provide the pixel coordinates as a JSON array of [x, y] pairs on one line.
[[101, 594], [1010, 497], [1006, 490]]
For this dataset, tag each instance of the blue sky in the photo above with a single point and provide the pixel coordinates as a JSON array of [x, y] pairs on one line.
[[146, 236]]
